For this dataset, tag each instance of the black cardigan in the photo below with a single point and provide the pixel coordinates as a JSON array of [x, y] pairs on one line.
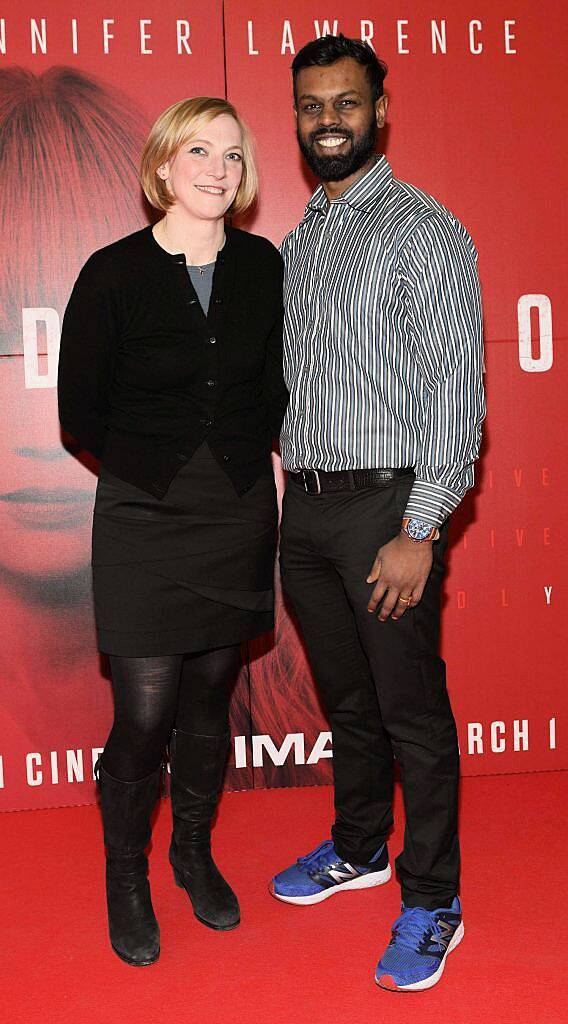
[[145, 377]]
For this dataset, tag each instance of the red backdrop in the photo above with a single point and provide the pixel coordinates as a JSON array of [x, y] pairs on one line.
[[479, 126]]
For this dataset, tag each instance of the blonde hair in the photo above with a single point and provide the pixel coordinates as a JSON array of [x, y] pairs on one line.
[[176, 126]]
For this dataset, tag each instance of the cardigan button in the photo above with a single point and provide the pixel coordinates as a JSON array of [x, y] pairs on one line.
[[226, 458], [211, 383], [208, 423], [212, 341]]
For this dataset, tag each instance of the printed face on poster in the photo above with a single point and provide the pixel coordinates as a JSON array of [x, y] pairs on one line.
[[79, 90]]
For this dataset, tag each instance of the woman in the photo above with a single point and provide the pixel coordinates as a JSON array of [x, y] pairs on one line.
[[170, 372]]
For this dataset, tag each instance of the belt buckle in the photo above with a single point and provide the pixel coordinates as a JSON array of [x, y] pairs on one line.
[[318, 484]]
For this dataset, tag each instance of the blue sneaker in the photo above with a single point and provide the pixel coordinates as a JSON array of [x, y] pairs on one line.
[[416, 954], [322, 873]]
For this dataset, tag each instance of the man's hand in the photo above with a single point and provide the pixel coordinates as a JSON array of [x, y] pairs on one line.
[[400, 571]]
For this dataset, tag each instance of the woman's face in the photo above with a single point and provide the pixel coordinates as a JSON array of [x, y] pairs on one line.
[[46, 495], [205, 174]]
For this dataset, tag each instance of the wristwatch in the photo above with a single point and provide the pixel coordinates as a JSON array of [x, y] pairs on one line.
[[418, 531]]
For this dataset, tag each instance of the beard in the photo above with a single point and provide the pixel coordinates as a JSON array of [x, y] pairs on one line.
[[336, 167]]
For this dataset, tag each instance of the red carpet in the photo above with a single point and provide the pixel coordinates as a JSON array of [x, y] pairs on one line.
[[288, 965]]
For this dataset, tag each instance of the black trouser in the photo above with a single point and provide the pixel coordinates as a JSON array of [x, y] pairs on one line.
[[382, 683]]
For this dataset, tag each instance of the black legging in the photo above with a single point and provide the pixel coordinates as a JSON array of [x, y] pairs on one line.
[[153, 695]]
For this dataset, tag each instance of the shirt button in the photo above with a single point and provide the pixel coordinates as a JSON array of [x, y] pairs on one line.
[[211, 383], [212, 341], [181, 457]]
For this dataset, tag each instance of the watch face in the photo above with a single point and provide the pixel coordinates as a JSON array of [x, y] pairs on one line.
[[418, 530]]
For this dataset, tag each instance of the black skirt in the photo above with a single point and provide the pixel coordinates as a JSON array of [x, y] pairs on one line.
[[192, 571]]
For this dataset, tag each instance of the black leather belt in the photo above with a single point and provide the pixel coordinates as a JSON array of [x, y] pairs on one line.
[[316, 481]]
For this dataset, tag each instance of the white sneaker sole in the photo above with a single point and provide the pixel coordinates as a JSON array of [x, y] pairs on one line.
[[420, 986], [362, 882]]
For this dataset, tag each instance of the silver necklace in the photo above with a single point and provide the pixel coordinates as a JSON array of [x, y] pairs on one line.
[[201, 270], [188, 263]]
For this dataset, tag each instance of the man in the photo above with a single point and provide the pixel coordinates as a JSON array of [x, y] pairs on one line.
[[383, 360]]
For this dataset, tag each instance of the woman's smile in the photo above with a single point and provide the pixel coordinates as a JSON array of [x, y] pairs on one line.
[[214, 190]]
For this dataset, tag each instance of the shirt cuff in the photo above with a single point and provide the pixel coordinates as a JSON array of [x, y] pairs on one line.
[[431, 503]]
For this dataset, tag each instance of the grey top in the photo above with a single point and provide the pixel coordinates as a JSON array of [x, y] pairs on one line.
[[203, 283]]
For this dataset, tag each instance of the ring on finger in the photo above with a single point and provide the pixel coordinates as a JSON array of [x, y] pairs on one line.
[[405, 600]]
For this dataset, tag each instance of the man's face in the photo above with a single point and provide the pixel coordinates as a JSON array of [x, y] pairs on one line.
[[337, 120]]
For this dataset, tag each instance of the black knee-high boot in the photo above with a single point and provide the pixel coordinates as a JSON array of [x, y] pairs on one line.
[[126, 809], [197, 766]]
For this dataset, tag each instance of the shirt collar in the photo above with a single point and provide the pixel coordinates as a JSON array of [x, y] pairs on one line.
[[362, 195]]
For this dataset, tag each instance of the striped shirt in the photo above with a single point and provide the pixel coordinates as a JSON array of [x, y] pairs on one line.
[[383, 349]]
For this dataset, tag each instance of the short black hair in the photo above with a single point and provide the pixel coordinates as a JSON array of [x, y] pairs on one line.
[[329, 49]]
